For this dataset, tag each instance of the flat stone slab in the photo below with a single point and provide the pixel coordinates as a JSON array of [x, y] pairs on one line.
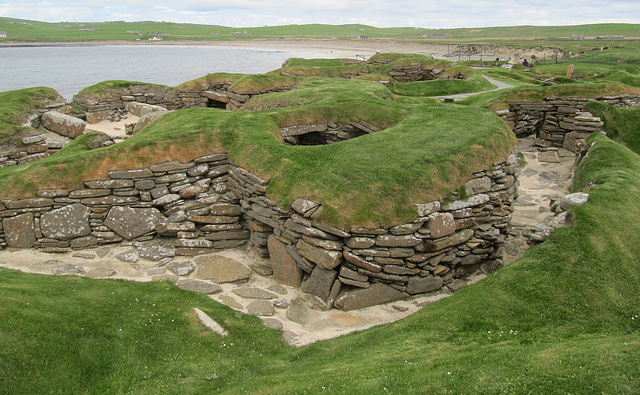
[[210, 323], [68, 269], [221, 269], [199, 286], [254, 293], [230, 301], [128, 256], [182, 268], [102, 272], [261, 308]]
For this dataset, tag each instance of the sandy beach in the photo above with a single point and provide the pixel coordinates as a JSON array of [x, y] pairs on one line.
[[332, 48]]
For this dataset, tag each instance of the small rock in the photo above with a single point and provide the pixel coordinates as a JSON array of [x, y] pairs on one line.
[[68, 269], [183, 268], [400, 308], [261, 308], [100, 273], [272, 323], [199, 286], [262, 270], [103, 251], [277, 288], [128, 256], [84, 255], [254, 293], [229, 301], [280, 303]]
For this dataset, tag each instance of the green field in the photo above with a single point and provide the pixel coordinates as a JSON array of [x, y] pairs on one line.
[[564, 318]]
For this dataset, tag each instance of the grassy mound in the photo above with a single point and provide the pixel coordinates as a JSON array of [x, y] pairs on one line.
[[15, 109], [423, 152]]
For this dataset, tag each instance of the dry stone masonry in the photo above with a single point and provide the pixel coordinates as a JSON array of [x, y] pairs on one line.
[[209, 204], [560, 122]]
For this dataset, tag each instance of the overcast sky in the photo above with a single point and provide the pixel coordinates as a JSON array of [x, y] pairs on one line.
[[380, 13]]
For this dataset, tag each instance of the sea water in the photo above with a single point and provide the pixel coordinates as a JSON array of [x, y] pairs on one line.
[[69, 69]]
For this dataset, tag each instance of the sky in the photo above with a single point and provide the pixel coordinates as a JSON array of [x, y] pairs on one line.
[[379, 13]]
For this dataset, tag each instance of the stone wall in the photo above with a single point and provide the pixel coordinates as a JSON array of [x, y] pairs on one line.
[[220, 96], [560, 122], [210, 204], [100, 107]]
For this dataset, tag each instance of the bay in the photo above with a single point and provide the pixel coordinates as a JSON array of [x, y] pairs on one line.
[[69, 69]]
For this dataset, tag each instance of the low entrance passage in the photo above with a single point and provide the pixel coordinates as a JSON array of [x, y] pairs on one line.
[[322, 134]]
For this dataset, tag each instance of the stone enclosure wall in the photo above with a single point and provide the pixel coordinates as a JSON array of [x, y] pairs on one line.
[[560, 122], [210, 204]]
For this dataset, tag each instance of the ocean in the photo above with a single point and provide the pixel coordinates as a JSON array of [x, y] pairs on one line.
[[69, 69]]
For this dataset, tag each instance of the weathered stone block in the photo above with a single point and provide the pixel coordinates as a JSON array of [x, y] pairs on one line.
[[63, 124], [321, 257], [66, 223], [377, 293], [19, 231], [285, 269], [220, 269], [320, 282], [131, 222], [441, 225], [397, 241], [418, 285]]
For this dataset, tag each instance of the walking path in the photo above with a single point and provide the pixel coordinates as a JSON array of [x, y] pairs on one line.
[[499, 84]]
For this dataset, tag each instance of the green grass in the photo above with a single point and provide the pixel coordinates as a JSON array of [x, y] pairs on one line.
[[15, 109], [562, 319], [474, 83], [623, 125]]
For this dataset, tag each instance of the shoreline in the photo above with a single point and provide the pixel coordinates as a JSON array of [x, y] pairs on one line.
[[348, 48]]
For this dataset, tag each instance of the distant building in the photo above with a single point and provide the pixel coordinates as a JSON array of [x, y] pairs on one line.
[[155, 38], [437, 36], [577, 37], [3, 34], [137, 33]]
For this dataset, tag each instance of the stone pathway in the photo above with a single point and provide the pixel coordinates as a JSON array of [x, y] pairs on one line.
[[545, 179], [237, 278]]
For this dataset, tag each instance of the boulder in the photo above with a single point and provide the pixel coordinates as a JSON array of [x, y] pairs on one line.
[[65, 223], [62, 124], [131, 222], [19, 231]]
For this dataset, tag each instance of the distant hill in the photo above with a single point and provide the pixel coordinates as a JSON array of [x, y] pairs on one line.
[[19, 30]]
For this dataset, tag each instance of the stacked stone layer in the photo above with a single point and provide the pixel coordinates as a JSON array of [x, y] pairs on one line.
[[561, 122], [210, 204]]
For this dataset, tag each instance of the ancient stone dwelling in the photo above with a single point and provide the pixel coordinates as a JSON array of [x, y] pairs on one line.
[[210, 203]]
